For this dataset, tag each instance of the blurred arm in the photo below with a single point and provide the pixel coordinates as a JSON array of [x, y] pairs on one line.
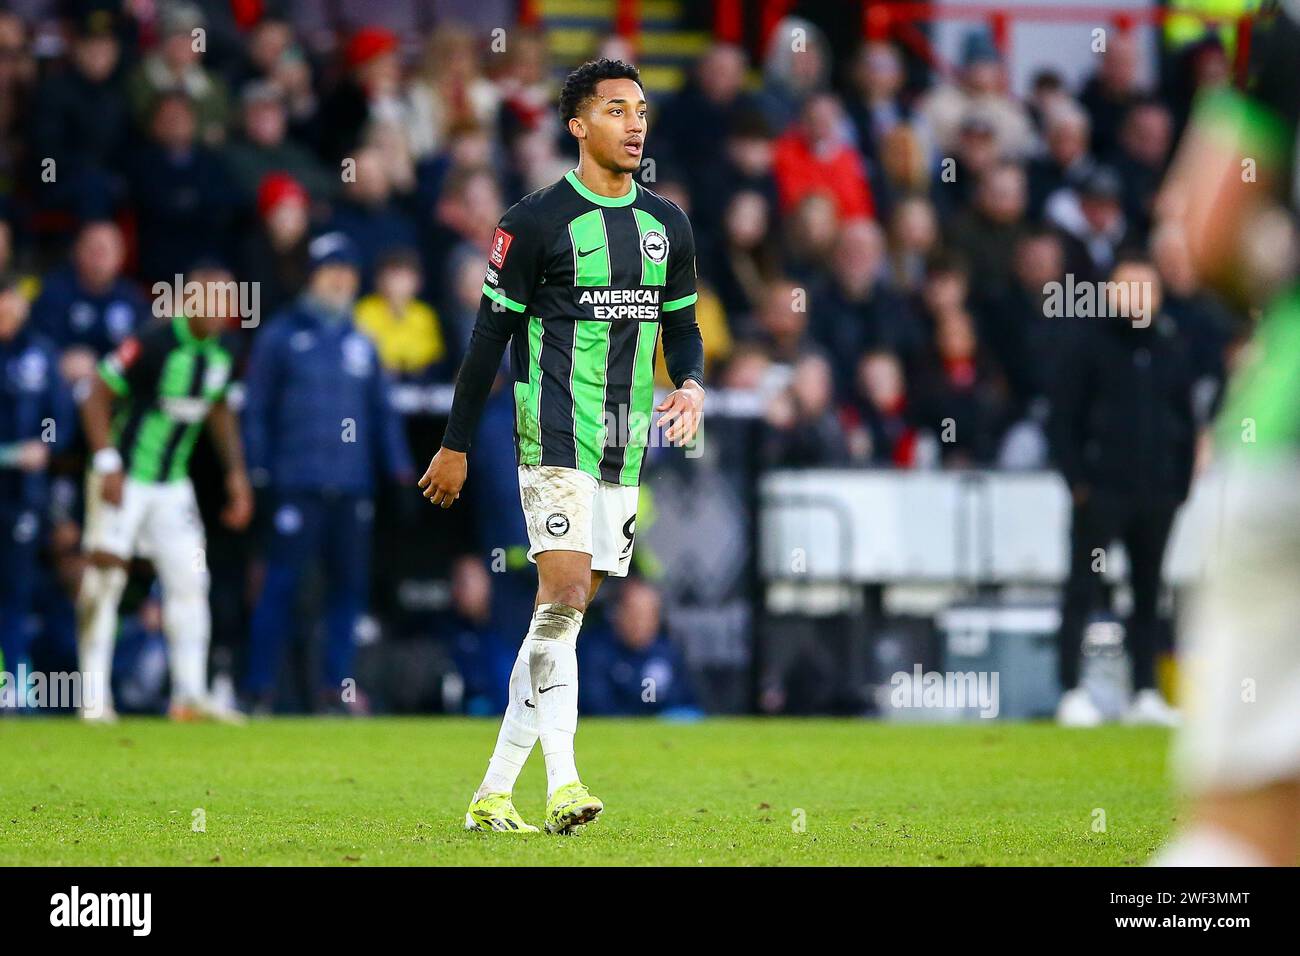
[[96, 415], [224, 428]]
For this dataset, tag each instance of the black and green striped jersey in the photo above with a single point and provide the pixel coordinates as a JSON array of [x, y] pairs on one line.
[[168, 379], [581, 283], [1262, 123]]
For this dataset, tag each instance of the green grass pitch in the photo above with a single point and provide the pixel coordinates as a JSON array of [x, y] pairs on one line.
[[718, 792]]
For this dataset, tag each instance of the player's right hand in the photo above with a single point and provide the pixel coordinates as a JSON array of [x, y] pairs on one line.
[[110, 487], [239, 501], [444, 477]]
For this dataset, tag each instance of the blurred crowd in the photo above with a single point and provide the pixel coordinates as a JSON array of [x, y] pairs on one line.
[[874, 240]]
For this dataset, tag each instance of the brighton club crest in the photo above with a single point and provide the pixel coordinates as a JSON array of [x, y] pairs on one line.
[[654, 246]]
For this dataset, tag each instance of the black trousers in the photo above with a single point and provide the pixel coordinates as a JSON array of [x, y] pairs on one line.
[[1144, 528]]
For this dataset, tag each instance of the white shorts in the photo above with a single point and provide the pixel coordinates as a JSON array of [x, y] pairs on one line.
[[158, 520], [569, 510], [1242, 640]]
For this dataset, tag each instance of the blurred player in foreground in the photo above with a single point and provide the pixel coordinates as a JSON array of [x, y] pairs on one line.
[[165, 383], [1239, 754], [581, 276]]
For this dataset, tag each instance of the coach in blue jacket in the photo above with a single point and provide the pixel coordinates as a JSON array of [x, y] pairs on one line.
[[318, 427], [36, 416]]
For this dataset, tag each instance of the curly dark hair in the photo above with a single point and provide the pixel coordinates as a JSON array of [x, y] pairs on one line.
[[580, 85]]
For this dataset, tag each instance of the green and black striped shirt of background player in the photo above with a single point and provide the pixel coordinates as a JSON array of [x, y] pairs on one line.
[[168, 380], [580, 284]]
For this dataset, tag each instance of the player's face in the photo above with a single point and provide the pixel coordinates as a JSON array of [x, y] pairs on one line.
[[613, 126], [220, 303]]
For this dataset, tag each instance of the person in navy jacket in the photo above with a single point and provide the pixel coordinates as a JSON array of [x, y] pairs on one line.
[[319, 430], [88, 305], [633, 669], [37, 416]]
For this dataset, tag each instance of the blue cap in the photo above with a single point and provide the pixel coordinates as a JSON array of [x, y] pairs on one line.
[[333, 248], [978, 47]]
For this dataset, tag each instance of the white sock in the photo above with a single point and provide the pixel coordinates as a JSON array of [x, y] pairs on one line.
[[518, 731], [187, 621], [97, 601], [1209, 846], [553, 670]]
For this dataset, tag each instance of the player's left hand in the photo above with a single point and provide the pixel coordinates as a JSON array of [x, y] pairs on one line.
[[239, 504], [682, 411]]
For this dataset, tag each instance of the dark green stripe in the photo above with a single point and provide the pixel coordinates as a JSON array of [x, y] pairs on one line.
[[528, 400], [181, 465], [641, 410], [174, 463], [146, 454], [158, 428], [590, 353], [620, 371]]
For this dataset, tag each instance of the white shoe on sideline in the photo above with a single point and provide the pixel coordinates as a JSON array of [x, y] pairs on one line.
[[1076, 709], [204, 709], [106, 716], [1150, 708]]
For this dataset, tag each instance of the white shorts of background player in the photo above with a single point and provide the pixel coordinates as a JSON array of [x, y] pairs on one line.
[[160, 521]]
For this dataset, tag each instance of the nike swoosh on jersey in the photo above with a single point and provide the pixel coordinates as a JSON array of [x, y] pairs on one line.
[[586, 252]]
